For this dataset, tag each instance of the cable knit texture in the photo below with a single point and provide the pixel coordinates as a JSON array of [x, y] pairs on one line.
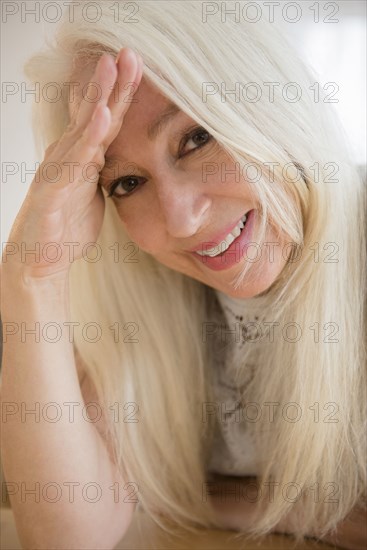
[[237, 330]]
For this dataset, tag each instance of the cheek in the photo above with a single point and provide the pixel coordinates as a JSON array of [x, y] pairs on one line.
[[272, 255], [278, 260], [142, 232]]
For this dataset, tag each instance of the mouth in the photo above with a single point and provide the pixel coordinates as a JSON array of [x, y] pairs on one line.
[[229, 249], [224, 243]]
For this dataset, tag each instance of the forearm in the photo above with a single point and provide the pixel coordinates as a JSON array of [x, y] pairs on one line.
[[54, 459], [233, 499], [351, 533], [239, 514]]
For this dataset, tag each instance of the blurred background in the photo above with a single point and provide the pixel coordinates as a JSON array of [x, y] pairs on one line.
[[330, 35]]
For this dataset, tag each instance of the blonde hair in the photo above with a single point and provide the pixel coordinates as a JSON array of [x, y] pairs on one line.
[[166, 373]]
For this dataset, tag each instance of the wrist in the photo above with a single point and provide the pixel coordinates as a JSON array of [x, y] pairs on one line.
[[12, 273], [17, 278], [23, 296]]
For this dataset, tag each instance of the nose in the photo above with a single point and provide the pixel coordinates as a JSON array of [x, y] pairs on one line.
[[184, 205]]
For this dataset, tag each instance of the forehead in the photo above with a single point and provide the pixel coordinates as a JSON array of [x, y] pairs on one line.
[[144, 105], [144, 108]]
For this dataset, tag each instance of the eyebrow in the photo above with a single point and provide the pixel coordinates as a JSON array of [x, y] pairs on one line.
[[153, 130], [157, 126]]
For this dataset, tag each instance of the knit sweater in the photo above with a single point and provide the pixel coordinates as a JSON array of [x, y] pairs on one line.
[[234, 448]]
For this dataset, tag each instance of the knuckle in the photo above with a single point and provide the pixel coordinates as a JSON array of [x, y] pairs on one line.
[[84, 139], [99, 157], [71, 127], [51, 148], [115, 128], [85, 146]]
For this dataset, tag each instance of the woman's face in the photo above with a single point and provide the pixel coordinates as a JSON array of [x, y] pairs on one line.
[[183, 195]]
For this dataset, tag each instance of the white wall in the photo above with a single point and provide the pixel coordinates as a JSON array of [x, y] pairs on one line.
[[18, 40], [336, 50]]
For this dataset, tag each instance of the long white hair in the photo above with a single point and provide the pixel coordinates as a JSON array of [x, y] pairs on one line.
[[151, 357]]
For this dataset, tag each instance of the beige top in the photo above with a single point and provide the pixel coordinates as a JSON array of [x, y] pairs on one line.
[[234, 449]]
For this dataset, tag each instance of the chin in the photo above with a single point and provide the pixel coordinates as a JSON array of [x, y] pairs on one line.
[[256, 286]]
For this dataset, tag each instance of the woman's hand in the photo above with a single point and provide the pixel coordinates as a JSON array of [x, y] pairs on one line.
[[238, 514], [64, 203], [234, 511], [351, 533]]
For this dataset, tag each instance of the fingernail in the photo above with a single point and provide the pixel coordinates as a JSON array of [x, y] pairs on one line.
[[119, 54], [132, 54]]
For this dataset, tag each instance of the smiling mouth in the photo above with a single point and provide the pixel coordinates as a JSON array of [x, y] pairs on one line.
[[225, 243]]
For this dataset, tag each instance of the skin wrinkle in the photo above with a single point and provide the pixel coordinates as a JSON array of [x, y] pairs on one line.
[[174, 211]]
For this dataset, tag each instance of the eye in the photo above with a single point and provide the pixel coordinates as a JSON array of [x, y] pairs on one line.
[[130, 183], [127, 183], [200, 134]]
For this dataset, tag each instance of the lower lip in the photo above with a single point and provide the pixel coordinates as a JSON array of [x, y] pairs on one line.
[[235, 252]]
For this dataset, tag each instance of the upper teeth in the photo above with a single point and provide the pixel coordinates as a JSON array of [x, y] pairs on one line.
[[222, 247]]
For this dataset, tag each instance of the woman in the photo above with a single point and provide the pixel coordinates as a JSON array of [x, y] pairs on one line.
[[140, 314]]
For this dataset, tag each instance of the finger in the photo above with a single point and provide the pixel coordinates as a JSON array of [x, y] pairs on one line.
[[103, 80], [83, 153], [88, 146], [98, 90], [127, 65], [129, 74]]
